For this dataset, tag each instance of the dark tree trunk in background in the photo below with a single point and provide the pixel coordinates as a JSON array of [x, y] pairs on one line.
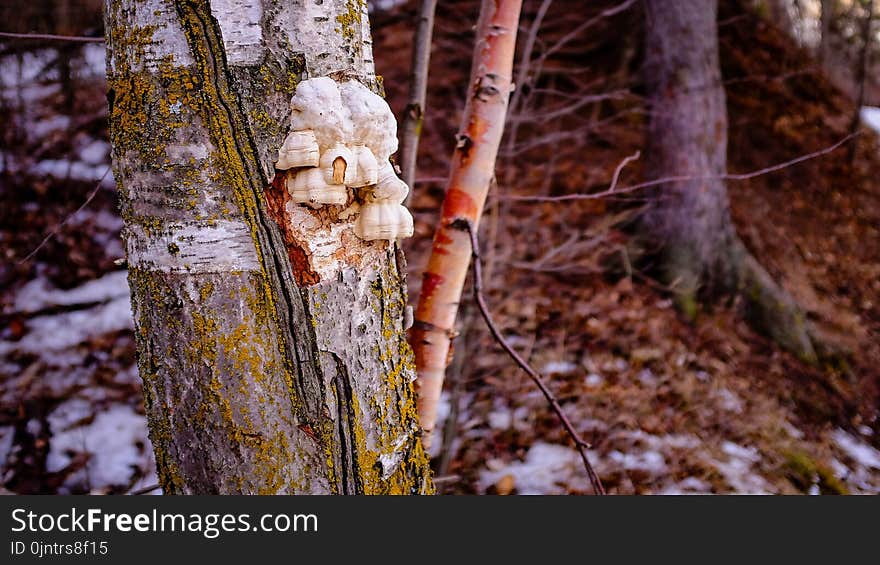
[[862, 73], [687, 135], [688, 223], [780, 15], [826, 24]]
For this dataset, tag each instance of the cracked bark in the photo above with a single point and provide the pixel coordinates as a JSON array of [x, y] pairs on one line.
[[274, 361]]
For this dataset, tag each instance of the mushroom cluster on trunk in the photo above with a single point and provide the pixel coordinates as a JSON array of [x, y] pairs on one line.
[[342, 137]]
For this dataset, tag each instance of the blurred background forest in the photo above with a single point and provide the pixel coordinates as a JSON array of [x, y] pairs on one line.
[[670, 406]]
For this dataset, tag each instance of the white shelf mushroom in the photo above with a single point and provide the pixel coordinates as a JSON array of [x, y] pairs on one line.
[[389, 186], [310, 187], [318, 105], [300, 149], [382, 215], [367, 172], [383, 220], [338, 165], [373, 122], [356, 134]]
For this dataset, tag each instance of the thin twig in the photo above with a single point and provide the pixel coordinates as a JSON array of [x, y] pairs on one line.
[[445, 479], [51, 37], [57, 228], [620, 167], [613, 11], [145, 490], [582, 445], [732, 20], [680, 178], [550, 115]]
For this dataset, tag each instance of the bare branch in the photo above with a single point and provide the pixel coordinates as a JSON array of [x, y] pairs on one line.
[[57, 228], [679, 178], [586, 25], [549, 115], [145, 490], [557, 137], [50, 37], [582, 446], [620, 166]]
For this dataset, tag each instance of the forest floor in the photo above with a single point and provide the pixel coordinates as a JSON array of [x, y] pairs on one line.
[[669, 406]]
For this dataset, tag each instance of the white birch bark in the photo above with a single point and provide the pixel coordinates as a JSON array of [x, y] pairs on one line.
[[264, 370]]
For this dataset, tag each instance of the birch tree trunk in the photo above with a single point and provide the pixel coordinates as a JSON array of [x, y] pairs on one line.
[[270, 338], [473, 166], [688, 223]]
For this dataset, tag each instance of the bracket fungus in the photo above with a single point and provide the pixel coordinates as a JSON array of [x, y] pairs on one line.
[[382, 215], [383, 220], [367, 169], [310, 186], [338, 165], [342, 136], [300, 149]]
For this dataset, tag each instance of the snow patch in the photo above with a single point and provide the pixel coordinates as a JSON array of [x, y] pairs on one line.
[[25, 67], [649, 461], [871, 117], [67, 415], [659, 443], [40, 129], [860, 452], [729, 400], [37, 295], [559, 368], [791, 430], [689, 485], [116, 441], [859, 477], [96, 60], [384, 5], [61, 331], [547, 469], [594, 381], [74, 170], [500, 419], [6, 435], [648, 378], [737, 469], [443, 410], [95, 153]]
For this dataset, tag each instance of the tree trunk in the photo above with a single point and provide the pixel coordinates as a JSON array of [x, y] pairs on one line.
[[472, 169], [414, 114], [861, 74], [781, 13], [826, 24], [688, 223], [270, 338]]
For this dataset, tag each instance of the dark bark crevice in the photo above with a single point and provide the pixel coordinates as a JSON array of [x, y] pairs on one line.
[[206, 46]]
